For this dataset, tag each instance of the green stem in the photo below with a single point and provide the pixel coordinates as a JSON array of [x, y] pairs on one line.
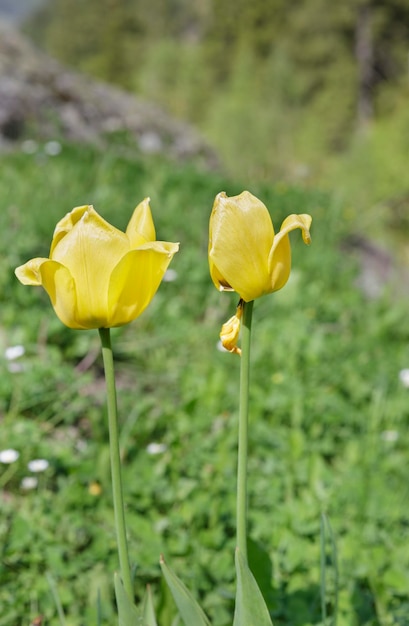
[[243, 429], [119, 509]]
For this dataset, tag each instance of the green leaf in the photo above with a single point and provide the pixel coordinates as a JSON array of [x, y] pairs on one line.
[[128, 614], [148, 611], [190, 611], [251, 610], [260, 564]]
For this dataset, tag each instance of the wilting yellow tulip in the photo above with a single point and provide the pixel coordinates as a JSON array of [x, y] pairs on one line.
[[96, 275], [230, 331], [245, 255]]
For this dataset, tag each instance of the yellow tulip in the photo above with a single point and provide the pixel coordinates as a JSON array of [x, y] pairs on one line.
[[245, 254], [96, 275]]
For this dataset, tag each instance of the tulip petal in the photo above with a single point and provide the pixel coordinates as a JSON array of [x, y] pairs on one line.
[[135, 280], [29, 273], [230, 331], [60, 286], [141, 229], [93, 277], [57, 282], [66, 224], [240, 239], [90, 251], [302, 221], [218, 278], [279, 260]]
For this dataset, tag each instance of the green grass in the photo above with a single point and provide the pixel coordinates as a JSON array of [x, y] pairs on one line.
[[325, 393]]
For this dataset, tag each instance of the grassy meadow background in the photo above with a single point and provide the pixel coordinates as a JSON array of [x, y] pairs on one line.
[[328, 429], [329, 414]]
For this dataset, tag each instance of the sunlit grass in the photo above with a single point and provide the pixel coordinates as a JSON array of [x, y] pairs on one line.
[[328, 413]]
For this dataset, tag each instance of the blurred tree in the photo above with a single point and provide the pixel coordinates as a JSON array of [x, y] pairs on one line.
[[318, 70], [364, 51], [98, 36], [315, 33]]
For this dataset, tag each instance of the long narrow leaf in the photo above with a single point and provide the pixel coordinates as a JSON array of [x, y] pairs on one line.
[[148, 611], [250, 610], [323, 571], [99, 609], [53, 587], [191, 613], [128, 614], [328, 539]]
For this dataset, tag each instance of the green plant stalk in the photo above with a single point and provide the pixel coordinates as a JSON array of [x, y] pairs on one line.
[[54, 591], [119, 509], [243, 429], [8, 474]]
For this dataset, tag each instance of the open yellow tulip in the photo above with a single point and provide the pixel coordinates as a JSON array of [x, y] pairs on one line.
[[96, 275], [245, 255]]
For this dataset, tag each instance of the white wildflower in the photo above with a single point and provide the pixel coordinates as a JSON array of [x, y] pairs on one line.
[[170, 276], [156, 448], [52, 148], [404, 377], [38, 465], [29, 482], [14, 352], [390, 435], [8, 456]]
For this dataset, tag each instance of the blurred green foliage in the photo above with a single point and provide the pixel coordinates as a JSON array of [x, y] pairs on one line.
[[284, 91], [329, 416]]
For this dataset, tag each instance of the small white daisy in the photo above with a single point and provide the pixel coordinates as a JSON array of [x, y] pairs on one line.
[[8, 456], [14, 352], [170, 276], [390, 435], [38, 465], [52, 148], [404, 377], [29, 482], [156, 448]]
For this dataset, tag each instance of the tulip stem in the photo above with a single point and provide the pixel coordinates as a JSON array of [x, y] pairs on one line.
[[243, 429], [117, 491]]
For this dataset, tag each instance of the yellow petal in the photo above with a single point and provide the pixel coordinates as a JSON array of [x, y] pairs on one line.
[[302, 221], [217, 277], [90, 251], [135, 280], [141, 228], [59, 284], [89, 277], [66, 224], [229, 334], [241, 235], [29, 273], [279, 261]]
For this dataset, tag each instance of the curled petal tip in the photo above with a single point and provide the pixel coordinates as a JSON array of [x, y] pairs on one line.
[[306, 236], [230, 331], [306, 225], [29, 273], [229, 334]]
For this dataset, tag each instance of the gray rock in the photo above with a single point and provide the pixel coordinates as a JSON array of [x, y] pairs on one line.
[[42, 98]]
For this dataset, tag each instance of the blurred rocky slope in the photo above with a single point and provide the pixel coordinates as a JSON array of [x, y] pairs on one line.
[[41, 98]]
